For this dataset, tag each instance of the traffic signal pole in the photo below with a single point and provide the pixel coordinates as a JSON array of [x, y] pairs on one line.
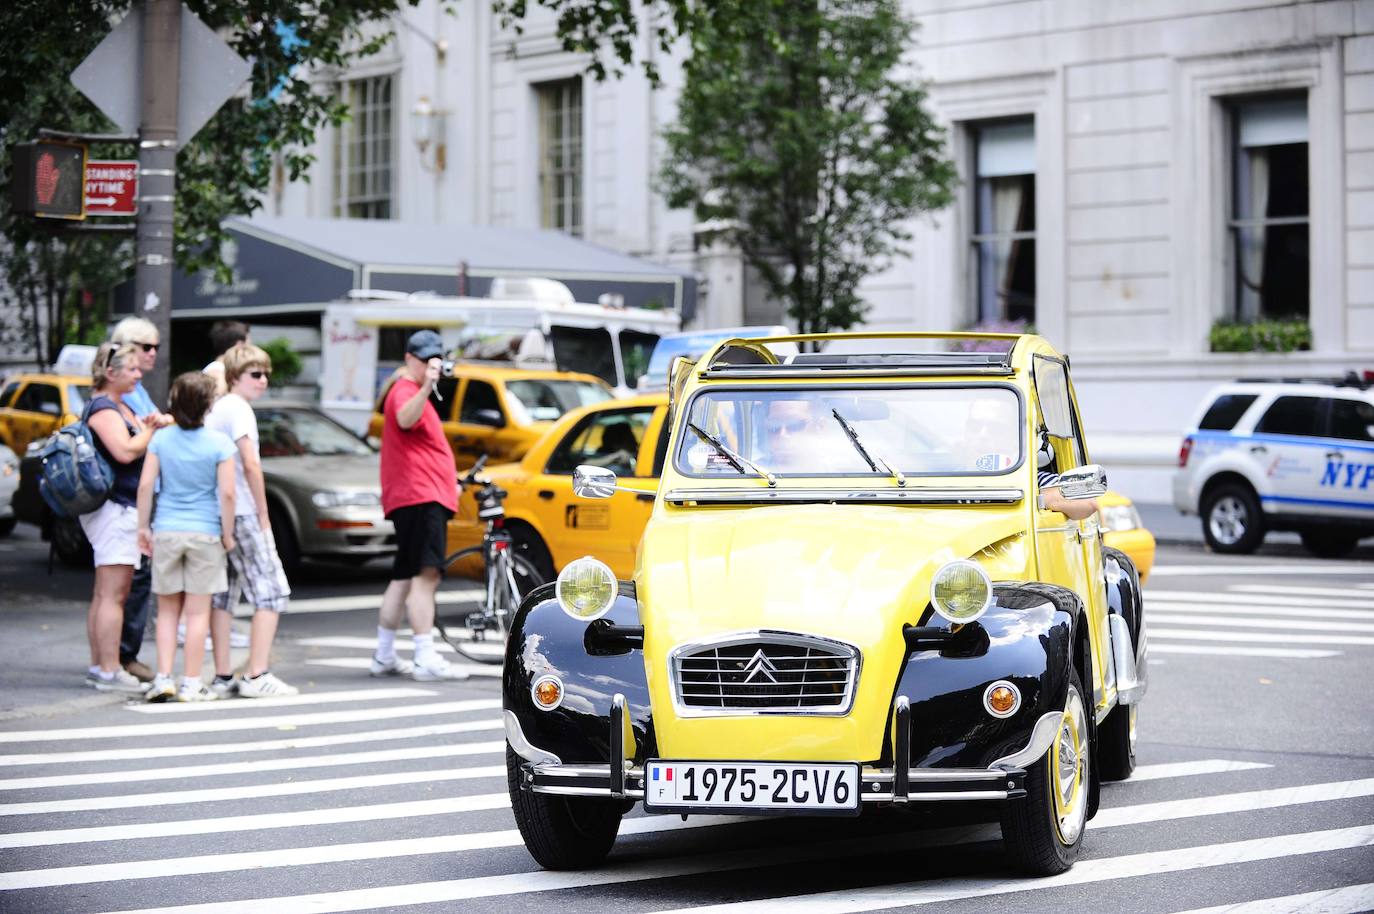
[[157, 158]]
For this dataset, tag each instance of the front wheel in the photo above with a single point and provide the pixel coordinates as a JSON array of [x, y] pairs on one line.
[[7, 526], [1231, 520], [561, 833], [1044, 831], [476, 622]]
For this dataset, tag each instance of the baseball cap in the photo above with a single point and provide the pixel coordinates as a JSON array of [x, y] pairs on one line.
[[425, 344]]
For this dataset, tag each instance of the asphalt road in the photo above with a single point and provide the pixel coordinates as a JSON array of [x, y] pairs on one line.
[[1256, 779]]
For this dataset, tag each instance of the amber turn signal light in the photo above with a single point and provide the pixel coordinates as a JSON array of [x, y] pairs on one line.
[[1001, 699], [547, 692]]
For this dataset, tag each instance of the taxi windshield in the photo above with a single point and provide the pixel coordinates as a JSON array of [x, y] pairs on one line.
[[964, 430], [546, 400]]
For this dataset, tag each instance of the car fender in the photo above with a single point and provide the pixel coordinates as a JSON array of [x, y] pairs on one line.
[[1027, 638], [592, 668], [1231, 460]]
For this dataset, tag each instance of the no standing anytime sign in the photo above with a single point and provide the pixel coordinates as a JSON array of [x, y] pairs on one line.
[[111, 188]]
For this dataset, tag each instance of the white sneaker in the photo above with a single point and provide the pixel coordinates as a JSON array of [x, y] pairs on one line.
[[393, 667], [195, 690], [160, 689], [121, 681], [435, 668], [265, 686], [224, 688]]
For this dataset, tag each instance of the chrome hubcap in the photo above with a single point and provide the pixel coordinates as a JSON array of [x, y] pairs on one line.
[[1228, 520], [1069, 770], [1131, 729]]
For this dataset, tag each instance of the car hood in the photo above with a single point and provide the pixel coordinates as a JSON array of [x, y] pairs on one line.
[[854, 573], [345, 471]]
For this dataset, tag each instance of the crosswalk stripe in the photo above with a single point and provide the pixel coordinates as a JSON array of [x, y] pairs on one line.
[[374, 601], [361, 663], [1286, 638], [1348, 899], [1253, 599], [1088, 871], [1285, 568], [374, 812], [1106, 869], [1310, 625], [326, 853], [248, 704], [179, 728], [270, 745], [1339, 592], [254, 791], [296, 763], [1296, 653], [1232, 802], [1153, 605], [1185, 769], [402, 645]]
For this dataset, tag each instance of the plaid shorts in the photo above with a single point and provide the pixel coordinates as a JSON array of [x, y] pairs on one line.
[[254, 569]]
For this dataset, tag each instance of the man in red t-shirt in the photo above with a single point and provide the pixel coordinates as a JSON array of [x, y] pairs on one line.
[[419, 495]]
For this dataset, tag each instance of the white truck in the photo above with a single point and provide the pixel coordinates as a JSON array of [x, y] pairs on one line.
[[532, 323]]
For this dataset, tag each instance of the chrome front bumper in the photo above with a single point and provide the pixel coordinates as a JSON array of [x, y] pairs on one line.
[[544, 772]]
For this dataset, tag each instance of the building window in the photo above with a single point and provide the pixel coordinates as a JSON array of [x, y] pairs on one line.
[[560, 155], [362, 150], [1003, 260], [1269, 208]]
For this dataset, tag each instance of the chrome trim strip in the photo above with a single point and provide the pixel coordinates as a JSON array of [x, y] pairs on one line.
[[884, 775], [928, 496], [961, 795], [1039, 743], [901, 750], [1130, 683], [617, 746], [585, 792], [862, 371], [728, 639], [523, 747]]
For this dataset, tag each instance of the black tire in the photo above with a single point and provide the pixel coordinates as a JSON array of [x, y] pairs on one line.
[[1232, 522], [1329, 544], [1039, 841], [7, 526], [529, 544], [561, 833], [464, 638], [1116, 744], [70, 543], [284, 536]]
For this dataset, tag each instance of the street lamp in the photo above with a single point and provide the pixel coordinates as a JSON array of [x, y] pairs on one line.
[[428, 127]]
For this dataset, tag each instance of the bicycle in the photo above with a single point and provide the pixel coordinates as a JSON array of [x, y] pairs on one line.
[[507, 577]]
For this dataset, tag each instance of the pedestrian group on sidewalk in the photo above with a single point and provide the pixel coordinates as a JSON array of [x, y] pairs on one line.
[[187, 518]]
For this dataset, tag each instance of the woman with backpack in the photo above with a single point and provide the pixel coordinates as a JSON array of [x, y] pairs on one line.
[[122, 439], [193, 469]]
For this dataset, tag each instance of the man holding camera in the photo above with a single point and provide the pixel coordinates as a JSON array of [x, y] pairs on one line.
[[419, 495]]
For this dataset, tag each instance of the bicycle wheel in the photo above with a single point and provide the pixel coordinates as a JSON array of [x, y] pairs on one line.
[[476, 621]]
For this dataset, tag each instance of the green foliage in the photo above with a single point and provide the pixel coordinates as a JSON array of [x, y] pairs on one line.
[[1287, 335], [586, 26], [798, 137], [226, 170], [286, 362]]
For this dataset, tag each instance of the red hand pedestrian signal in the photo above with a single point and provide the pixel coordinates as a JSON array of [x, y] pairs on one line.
[[45, 177], [48, 179]]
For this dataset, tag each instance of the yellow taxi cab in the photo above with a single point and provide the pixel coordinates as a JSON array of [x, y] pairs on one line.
[[500, 411], [33, 406], [552, 526], [852, 594]]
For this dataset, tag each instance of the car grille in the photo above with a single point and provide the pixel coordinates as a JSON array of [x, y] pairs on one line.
[[770, 673]]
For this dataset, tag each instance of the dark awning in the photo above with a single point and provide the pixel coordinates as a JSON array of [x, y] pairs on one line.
[[293, 266]]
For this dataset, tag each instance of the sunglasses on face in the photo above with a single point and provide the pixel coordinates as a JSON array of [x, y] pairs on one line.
[[259, 375], [794, 427], [148, 347]]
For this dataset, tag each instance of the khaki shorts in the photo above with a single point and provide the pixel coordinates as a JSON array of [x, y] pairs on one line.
[[188, 563]]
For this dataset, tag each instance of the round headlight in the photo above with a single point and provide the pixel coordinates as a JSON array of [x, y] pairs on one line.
[[586, 589], [960, 591]]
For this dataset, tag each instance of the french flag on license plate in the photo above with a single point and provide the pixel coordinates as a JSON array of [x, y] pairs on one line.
[[667, 773]]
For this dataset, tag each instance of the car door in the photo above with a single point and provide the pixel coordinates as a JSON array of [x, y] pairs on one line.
[[1070, 552], [1347, 479], [483, 426], [1289, 451], [38, 409], [608, 529], [7, 397]]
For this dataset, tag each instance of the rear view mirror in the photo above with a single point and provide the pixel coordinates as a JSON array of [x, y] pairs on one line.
[[1087, 481], [593, 482]]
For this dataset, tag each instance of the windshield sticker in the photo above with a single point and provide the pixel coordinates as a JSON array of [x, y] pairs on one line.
[[990, 462]]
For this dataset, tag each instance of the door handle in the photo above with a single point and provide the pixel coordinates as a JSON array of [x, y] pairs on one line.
[[1334, 455], [644, 496], [1258, 449], [546, 494]]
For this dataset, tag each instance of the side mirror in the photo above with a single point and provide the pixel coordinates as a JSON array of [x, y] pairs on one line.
[[1088, 481], [491, 417], [593, 482]]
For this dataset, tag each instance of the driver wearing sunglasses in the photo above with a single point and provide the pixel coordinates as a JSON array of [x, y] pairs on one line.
[[792, 431]]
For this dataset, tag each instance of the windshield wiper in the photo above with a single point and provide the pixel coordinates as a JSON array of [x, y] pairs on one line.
[[736, 460], [873, 462]]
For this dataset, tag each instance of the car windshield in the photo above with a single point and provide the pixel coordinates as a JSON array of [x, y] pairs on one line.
[[545, 400], [968, 430], [286, 432]]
